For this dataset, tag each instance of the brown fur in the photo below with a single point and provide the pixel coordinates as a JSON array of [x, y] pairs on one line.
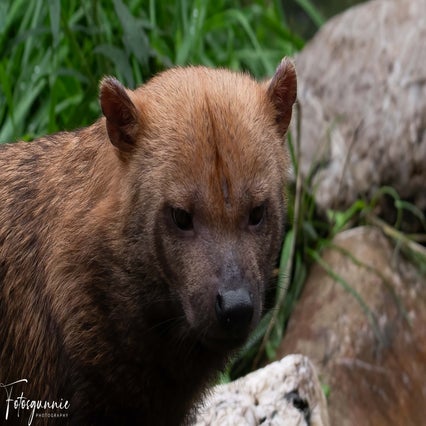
[[104, 302]]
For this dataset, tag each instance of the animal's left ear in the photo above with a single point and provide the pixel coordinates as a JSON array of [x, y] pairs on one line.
[[282, 91]]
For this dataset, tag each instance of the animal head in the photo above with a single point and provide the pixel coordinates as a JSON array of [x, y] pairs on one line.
[[203, 152]]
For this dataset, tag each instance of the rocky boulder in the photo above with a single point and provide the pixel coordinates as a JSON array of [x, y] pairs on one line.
[[362, 92], [364, 330], [285, 393]]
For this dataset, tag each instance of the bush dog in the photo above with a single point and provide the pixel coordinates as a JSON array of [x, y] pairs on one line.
[[134, 253]]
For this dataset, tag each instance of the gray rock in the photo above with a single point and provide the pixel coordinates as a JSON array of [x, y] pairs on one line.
[[362, 91], [285, 393]]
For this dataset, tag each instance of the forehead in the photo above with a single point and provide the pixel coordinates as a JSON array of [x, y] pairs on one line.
[[216, 136]]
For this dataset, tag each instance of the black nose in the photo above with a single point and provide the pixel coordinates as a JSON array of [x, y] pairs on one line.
[[234, 310]]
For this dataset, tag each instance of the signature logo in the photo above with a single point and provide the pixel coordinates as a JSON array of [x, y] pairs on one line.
[[18, 405]]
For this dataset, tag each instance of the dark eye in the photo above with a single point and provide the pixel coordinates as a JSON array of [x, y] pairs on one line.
[[256, 215], [182, 219]]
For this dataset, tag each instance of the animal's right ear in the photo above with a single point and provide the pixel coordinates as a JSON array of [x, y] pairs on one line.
[[122, 121]]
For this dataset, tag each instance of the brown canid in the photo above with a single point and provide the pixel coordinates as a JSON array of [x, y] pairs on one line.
[[134, 253]]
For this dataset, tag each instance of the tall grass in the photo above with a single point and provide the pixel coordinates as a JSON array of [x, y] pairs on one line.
[[53, 53]]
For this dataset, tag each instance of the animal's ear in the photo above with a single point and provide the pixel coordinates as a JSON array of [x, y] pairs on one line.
[[282, 91], [121, 115]]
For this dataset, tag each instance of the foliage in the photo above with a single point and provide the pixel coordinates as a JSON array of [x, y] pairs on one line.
[[54, 53]]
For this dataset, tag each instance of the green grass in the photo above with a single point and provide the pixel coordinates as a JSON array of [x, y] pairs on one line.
[[54, 53]]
